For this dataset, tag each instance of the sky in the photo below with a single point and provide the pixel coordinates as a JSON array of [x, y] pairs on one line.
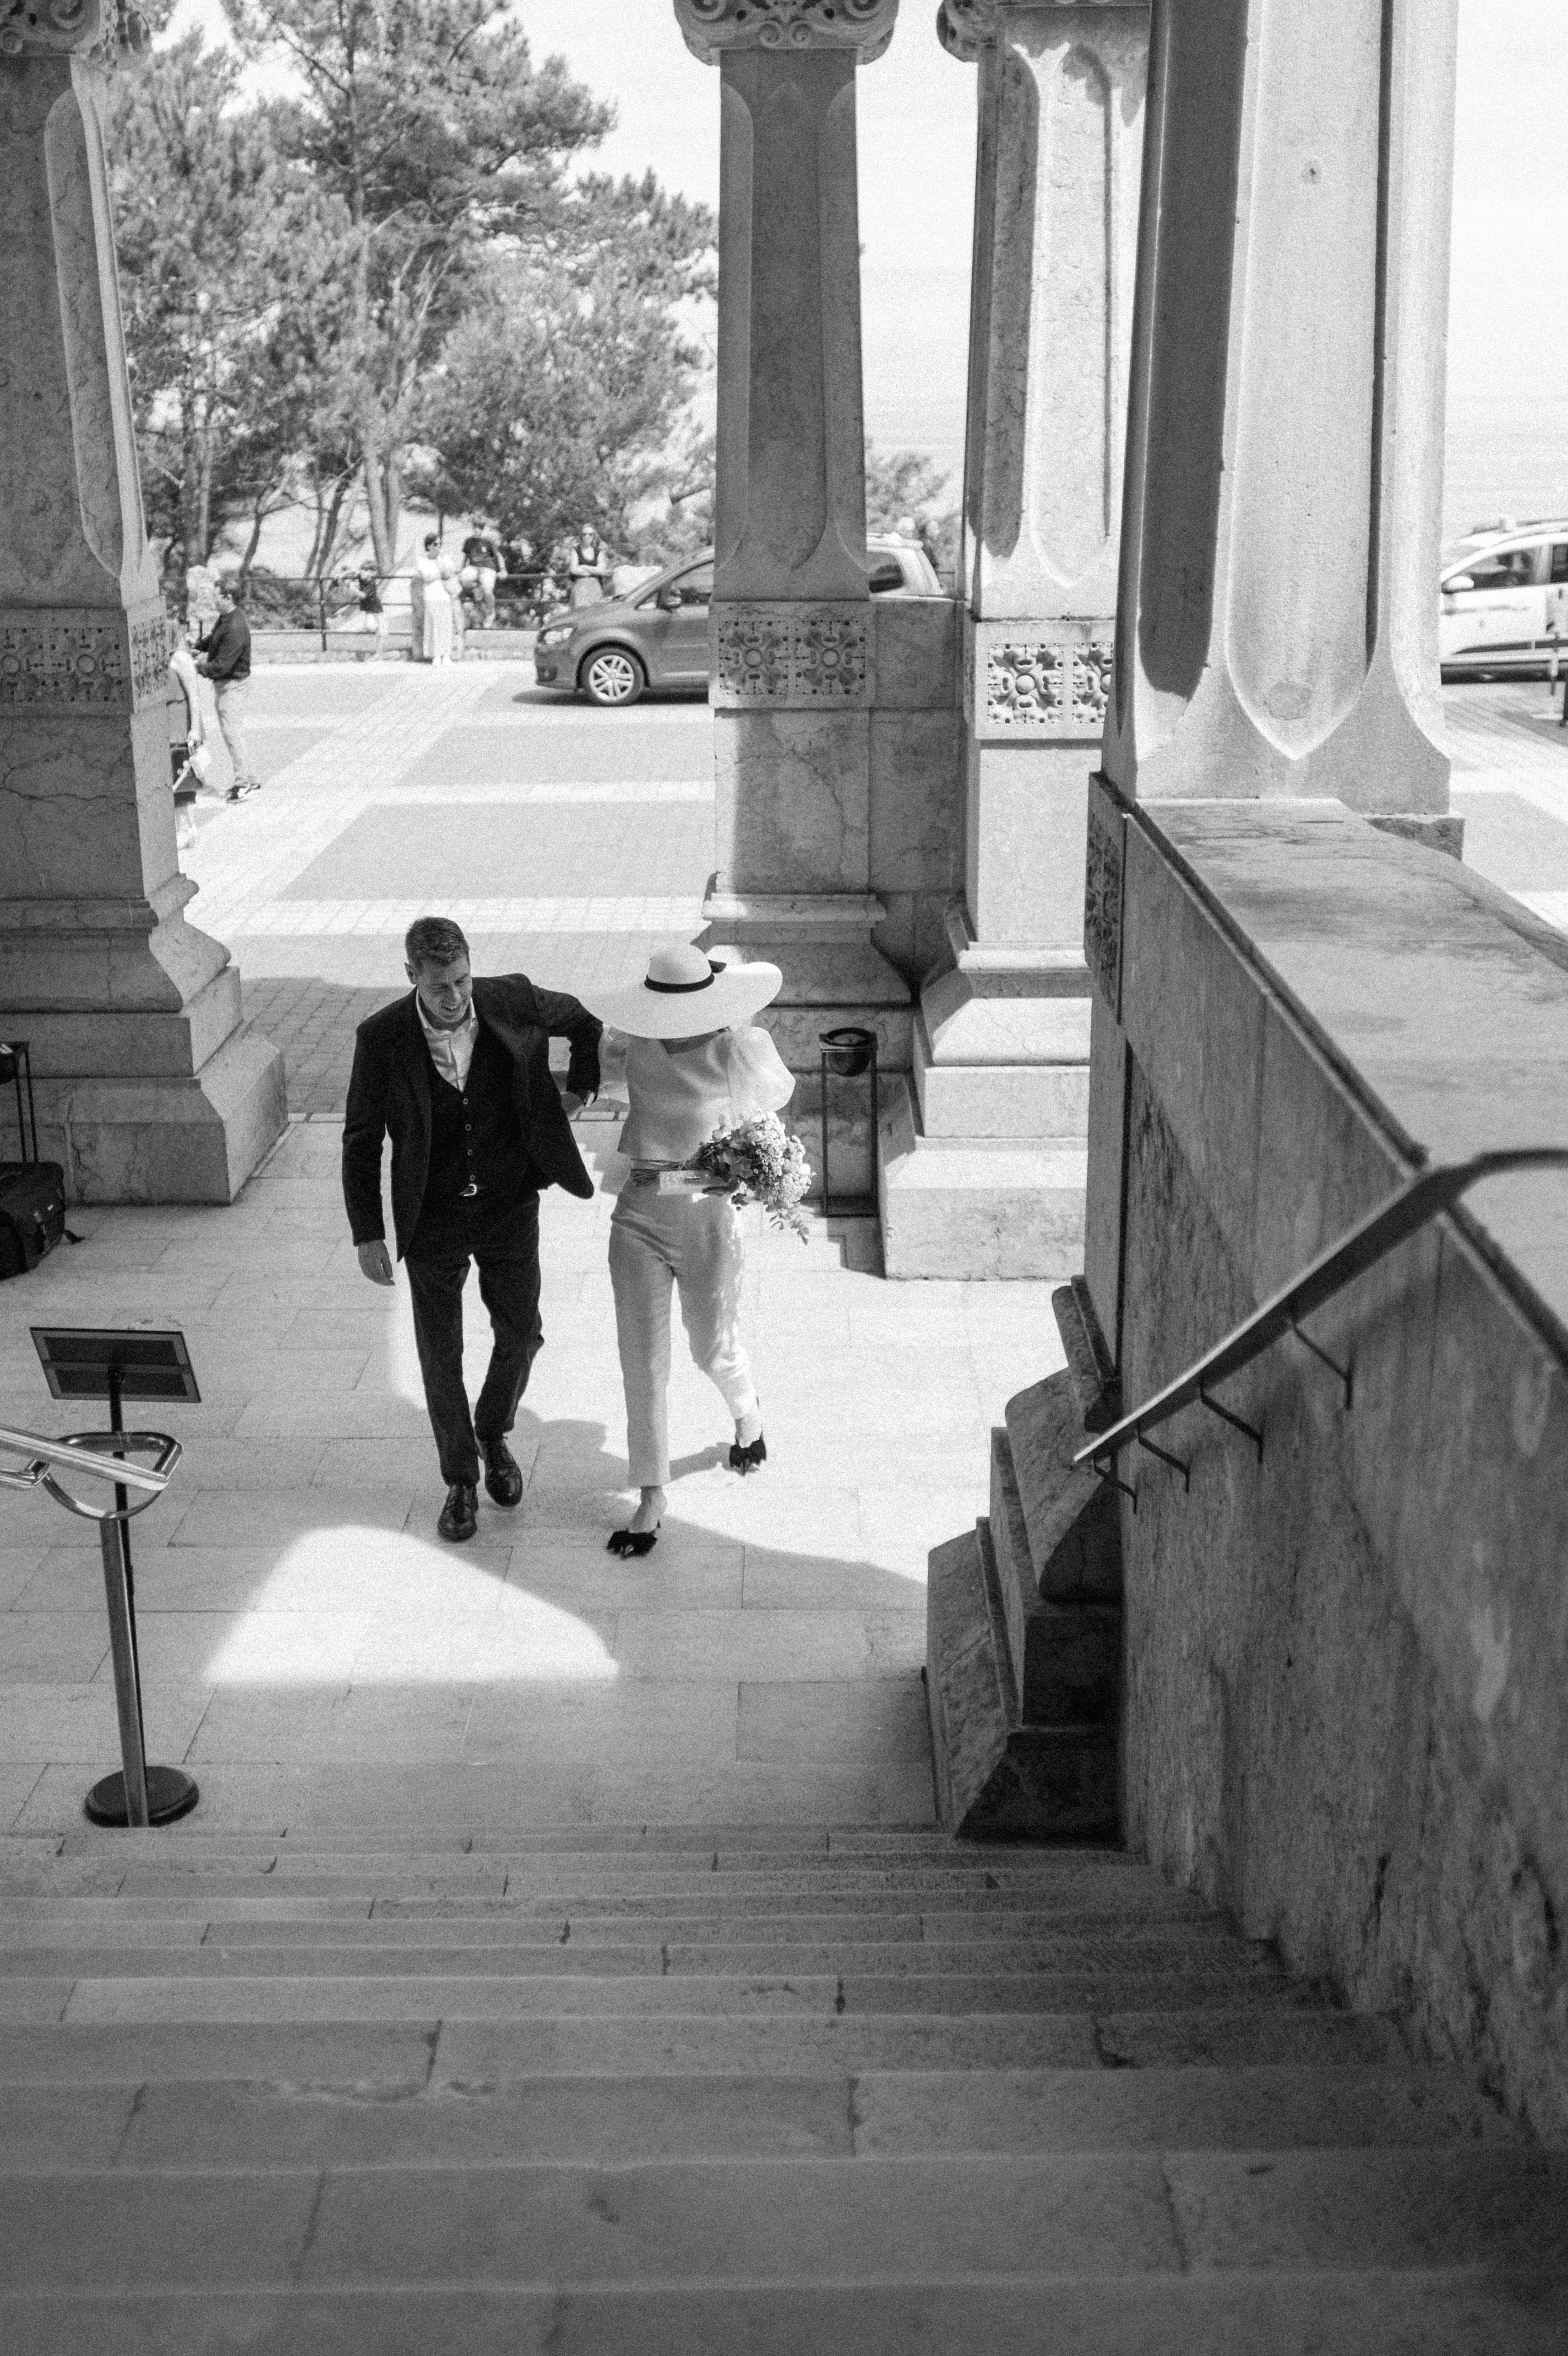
[[1508, 426], [1508, 415]]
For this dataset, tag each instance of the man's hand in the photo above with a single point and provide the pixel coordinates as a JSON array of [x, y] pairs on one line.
[[376, 1263], [572, 1103]]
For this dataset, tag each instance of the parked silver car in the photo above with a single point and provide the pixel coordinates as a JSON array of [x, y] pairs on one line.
[[656, 635]]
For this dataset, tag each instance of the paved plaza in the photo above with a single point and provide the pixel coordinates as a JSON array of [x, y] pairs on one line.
[[310, 1649]]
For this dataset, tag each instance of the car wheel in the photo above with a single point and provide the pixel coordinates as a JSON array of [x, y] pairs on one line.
[[613, 675]]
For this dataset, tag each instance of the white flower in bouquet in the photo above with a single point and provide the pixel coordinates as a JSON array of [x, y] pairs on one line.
[[761, 1163]]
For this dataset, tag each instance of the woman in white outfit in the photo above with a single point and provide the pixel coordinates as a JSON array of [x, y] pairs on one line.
[[694, 1062], [432, 606]]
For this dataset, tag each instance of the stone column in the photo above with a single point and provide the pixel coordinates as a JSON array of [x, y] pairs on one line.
[[990, 1177], [794, 665], [1278, 612], [149, 1088], [1277, 619]]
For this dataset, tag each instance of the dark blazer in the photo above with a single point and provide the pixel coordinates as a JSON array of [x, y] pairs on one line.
[[388, 1094]]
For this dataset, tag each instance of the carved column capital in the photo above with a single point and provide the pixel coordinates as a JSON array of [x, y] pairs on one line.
[[52, 29], [713, 26], [964, 27]]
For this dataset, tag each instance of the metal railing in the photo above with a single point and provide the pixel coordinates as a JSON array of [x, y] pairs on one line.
[[330, 602], [1370, 1241]]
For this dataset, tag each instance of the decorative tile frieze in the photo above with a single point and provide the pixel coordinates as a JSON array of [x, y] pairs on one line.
[[70, 660], [1024, 684], [1103, 899], [1037, 680], [1091, 685], [711, 26], [784, 656]]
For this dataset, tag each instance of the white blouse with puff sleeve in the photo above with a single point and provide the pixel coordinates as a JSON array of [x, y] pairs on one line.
[[678, 1096]]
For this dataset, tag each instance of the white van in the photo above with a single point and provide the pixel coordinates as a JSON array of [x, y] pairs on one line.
[[1504, 598]]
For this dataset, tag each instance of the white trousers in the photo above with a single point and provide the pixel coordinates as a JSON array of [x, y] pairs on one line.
[[693, 1241]]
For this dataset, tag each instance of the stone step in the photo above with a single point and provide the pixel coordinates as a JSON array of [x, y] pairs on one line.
[[403, 2056], [975, 1869], [219, 1957], [754, 1847], [584, 1842], [492, 1996], [248, 2125], [1354, 2311], [1065, 1657], [954, 2218], [667, 1892], [148, 1922]]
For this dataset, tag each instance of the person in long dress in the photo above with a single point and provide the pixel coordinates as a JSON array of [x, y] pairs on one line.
[[590, 570], [691, 1060], [451, 575], [432, 606]]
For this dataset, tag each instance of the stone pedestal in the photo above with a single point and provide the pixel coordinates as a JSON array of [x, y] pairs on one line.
[[149, 1086], [794, 645], [1002, 1043]]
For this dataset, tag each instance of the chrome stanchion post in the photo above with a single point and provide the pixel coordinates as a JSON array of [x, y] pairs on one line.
[[127, 1684]]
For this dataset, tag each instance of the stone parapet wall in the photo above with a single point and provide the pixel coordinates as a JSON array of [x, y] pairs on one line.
[[1346, 1665]]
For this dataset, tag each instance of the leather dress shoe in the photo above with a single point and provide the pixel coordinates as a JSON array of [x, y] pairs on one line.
[[459, 1517], [503, 1473]]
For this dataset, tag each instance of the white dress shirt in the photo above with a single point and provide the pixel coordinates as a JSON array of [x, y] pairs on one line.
[[452, 1051]]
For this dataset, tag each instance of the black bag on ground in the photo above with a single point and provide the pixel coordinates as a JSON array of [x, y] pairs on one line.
[[32, 1214], [32, 1193]]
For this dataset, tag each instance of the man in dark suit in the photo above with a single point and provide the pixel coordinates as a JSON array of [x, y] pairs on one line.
[[458, 1075]]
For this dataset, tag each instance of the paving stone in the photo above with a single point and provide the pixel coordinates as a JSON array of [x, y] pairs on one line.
[[1170, 2038], [590, 2119], [348, 2053], [734, 2044], [1356, 2313], [1197, 2109], [780, 2221], [1501, 2209], [115, 2231], [52, 2126]]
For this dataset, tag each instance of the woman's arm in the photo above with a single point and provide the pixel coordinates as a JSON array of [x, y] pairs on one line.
[[760, 1079]]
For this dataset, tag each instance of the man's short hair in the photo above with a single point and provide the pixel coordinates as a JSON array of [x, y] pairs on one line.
[[434, 941]]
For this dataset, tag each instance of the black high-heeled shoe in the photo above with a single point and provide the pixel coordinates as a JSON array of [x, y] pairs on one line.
[[747, 1459], [636, 1543]]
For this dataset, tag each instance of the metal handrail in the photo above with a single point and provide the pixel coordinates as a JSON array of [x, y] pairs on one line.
[[1367, 1243], [40, 1453]]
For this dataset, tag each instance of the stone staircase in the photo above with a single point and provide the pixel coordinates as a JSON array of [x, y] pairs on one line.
[[690, 2091]]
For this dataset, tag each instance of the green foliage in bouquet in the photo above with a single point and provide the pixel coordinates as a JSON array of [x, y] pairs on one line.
[[761, 1163]]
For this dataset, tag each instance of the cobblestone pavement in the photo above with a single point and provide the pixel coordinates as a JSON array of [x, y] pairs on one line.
[[566, 842]]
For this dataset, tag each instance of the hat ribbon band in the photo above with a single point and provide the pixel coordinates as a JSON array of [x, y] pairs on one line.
[[679, 989]]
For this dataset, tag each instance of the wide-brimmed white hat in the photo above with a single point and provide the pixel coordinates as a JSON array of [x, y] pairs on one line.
[[685, 992]]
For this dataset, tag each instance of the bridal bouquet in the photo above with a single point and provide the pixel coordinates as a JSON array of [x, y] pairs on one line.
[[761, 1163]]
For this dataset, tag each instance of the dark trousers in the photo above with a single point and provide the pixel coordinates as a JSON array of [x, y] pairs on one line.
[[504, 1242]]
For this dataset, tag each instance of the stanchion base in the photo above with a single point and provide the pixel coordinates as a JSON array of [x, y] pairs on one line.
[[171, 1793]]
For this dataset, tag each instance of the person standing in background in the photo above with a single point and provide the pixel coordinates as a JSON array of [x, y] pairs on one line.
[[188, 755], [481, 563], [224, 659], [452, 576], [432, 606], [590, 568]]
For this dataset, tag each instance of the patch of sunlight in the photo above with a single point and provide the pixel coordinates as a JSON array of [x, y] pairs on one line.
[[403, 1377], [381, 1607]]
